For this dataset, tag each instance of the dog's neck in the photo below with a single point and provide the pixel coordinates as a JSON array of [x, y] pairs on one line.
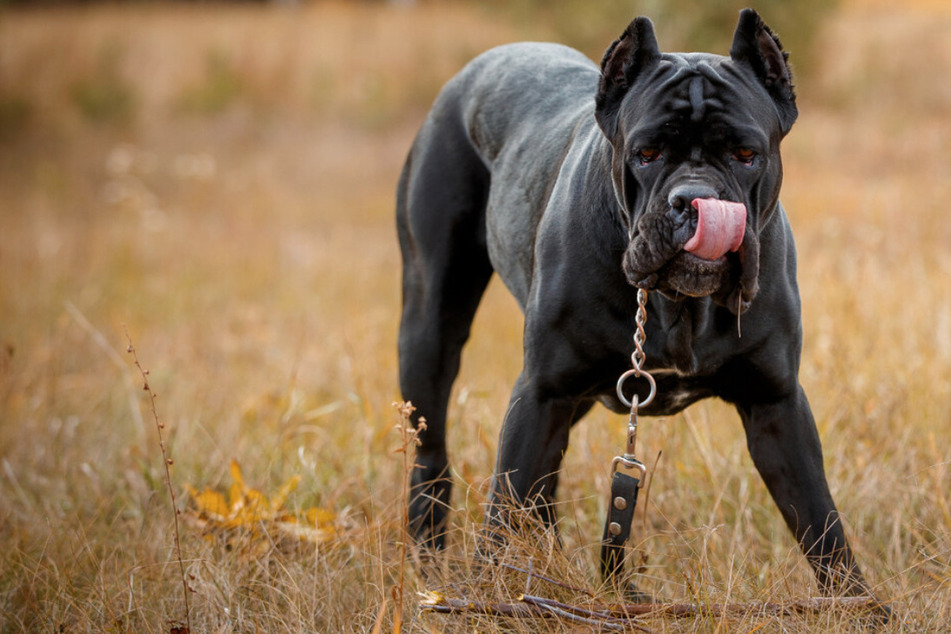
[[683, 323]]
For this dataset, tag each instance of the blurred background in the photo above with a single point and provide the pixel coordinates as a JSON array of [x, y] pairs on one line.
[[219, 178]]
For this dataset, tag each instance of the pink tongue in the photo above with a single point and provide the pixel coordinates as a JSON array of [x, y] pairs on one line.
[[720, 228]]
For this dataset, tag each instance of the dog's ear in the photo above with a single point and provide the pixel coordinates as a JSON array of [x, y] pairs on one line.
[[756, 45], [624, 60]]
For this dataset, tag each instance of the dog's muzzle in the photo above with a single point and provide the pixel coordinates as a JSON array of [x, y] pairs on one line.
[[695, 249]]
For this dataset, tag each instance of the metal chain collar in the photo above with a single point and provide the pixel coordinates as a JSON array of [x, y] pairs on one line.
[[638, 357]]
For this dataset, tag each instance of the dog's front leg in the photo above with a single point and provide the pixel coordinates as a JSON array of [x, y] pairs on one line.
[[785, 448], [532, 442]]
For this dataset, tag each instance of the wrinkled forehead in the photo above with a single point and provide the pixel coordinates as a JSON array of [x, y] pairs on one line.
[[697, 87]]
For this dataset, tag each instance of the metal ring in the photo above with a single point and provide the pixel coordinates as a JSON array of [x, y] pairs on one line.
[[639, 373]]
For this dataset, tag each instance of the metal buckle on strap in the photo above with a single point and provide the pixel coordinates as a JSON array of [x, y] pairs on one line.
[[631, 464]]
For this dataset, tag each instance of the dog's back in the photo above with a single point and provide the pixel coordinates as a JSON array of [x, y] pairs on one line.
[[508, 117]]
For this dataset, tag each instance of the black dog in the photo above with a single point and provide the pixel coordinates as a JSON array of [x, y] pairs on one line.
[[660, 172]]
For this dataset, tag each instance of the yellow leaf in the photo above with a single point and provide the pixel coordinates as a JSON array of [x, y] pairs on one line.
[[256, 503], [307, 533], [236, 475], [249, 508], [210, 503], [430, 599], [235, 497], [278, 500], [319, 517], [253, 508]]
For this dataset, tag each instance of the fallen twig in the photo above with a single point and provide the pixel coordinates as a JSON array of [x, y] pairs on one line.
[[576, 613], [759, 608], [437, 602], [529, 607], [627, 616]]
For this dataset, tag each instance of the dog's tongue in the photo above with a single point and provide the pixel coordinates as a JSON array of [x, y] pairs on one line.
[[720, 228]]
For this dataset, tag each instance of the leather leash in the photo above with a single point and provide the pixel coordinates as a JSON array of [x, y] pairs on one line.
[[628, 473]]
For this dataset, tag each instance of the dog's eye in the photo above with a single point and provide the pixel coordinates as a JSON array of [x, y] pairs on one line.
[[648, 155], [744, 155]]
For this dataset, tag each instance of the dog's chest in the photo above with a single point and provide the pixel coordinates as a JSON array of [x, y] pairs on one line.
[[681, 341], [685, 352], [676, 391]]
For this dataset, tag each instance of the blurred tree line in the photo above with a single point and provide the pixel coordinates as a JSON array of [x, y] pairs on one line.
[[682, 25]]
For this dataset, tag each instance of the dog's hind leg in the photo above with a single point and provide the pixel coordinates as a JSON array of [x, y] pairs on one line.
[[441, 224]]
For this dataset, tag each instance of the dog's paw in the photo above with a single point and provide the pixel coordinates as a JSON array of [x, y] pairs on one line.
[[632, 594]]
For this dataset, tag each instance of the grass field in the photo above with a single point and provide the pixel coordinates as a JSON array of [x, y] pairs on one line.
[[218, 181]]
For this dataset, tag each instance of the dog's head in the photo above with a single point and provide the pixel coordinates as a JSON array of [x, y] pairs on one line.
[[696, 165]]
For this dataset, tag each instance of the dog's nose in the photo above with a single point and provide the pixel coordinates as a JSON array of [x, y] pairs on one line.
[[681, 196]]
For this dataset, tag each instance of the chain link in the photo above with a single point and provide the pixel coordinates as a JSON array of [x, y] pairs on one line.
[[638, 357], [640, 336]]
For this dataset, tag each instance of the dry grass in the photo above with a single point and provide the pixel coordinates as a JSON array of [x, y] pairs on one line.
[[221, 181]]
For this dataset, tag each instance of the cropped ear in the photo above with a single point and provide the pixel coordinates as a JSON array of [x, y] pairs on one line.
[[624, 60], [757, 46]]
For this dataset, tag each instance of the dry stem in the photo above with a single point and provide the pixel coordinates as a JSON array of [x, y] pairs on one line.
[[166, 463], [409, 437]]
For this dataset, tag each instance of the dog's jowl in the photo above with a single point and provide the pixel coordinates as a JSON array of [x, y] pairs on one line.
[[576, 185]]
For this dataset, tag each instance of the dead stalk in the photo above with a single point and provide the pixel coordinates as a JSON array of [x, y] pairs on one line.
[[167, 464], [409, 438]]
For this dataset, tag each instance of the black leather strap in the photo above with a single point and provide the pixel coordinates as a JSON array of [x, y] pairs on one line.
[[617, 526]]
